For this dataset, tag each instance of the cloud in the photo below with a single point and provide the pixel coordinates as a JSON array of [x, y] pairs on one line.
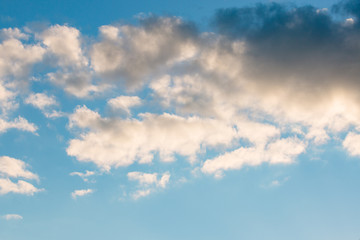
[[132, 54], [114, 142], [12, 33], [77, 82], [9, 217], [124, 103], [7, 99], [84, 176], [64, 43], [81, 193], [148, 182], [18, 123], [19, 187], [268, 82], [351, 143], [147, 179], [141, 193], [16, 59], [14, 168], [281, 151], [40, 100]]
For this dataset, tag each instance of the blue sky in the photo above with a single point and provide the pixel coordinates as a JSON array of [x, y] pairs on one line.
[[169, 120]]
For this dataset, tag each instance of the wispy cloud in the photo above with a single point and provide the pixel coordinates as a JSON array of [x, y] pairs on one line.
[[9, 217]]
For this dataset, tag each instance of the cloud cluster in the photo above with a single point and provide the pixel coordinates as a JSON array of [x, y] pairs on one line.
[[148, 182], [114, 142], [132, 54], [11, 168], [268, 82]]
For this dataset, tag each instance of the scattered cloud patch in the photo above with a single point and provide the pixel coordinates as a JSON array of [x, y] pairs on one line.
[[18, 123], [10, 217], [81, 193], [85, 176], [19, 187], [14, 168], [148, 182], [40, 100], [124, 103]]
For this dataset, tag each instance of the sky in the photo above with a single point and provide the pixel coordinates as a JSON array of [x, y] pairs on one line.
[[179, 120]]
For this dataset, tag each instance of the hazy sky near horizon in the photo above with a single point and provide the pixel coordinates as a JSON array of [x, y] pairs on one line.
[[168, 120]]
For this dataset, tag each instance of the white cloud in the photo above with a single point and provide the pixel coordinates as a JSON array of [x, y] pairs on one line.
[[143, 178], [124, 103], [40, 100], [81, 192], [84, 176], [16, 58], [7, 99], [19, 123], [352, 143], [12, 217], [14, 168], [281, 151], [140, 193], [148, 182], [147, 179], [21, 187], [9, 33], [114, 142], [132, 53], [64, 43]]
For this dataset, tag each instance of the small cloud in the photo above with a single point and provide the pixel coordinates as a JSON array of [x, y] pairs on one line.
[[276, 183], [146, 179], [84, 176], [349, 22], [40, 100], [124, 103], [18, 123], [12, 217], [81, 192], [148, 182], [140, 193]]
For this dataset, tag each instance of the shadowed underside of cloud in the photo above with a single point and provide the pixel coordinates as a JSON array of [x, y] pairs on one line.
[[268, 82]]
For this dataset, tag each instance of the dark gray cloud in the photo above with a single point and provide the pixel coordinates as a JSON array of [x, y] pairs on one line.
[[303, 47]]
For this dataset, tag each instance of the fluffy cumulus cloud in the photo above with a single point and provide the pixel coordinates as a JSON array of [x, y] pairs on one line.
[[114, 142], [133, 54], [223, 86], [16, 58], [11, 168], [63, 42], [351, 143], [40, 100]]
